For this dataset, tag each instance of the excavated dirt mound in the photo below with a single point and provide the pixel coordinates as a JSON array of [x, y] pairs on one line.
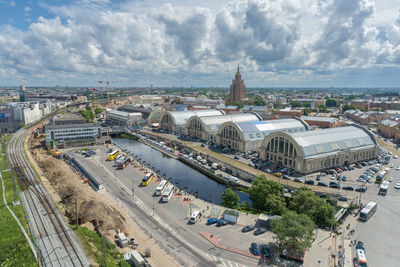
[[70, 186]]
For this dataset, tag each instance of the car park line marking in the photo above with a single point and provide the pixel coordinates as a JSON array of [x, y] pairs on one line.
[[230, 263], [224, 264], [215, 258]]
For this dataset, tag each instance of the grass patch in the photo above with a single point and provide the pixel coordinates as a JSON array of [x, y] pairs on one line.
[[14, 249], [127, 136], [93, 244]]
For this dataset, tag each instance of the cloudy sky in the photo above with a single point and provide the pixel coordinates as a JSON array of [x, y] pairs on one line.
[[302, 43]]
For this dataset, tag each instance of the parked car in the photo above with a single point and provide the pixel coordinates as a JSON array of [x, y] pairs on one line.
[[361, 189], [360, 245], [311, 182], [344, 178], [322, 184], [342, 198], [248, 228], [321, 194], [318, 178], [297, 180], [221, 222], [266, 252], [212, 221], [260, 231], [349, 188], [334, 185], [255, 249]]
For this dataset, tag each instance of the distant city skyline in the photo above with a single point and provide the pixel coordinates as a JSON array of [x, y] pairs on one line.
[[332, 43]]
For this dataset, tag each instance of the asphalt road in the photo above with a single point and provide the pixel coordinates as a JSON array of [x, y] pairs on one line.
[[175, 235], [380, 232]]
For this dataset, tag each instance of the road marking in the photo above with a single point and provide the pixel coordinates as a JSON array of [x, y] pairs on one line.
[[215, 258], [230, 263], [224, 263]]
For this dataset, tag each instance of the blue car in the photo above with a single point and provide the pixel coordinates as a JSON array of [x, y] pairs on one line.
[[212, 221], [221, 223], [236, 157], [266, 252], [255, 249]]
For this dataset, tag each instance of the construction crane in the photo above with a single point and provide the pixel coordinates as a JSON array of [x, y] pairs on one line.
[[108, 92], [94, 98]]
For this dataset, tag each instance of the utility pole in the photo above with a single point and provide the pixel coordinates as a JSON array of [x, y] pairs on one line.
[[76, 213]]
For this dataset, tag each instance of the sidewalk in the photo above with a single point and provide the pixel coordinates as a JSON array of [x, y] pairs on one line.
[[213, 239]]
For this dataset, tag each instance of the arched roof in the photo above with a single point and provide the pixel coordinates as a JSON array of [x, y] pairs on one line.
[[256, 130], [325, 141], [212, 123], [181, 117]]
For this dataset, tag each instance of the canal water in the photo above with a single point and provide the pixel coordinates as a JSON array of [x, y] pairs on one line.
[[187, 178]]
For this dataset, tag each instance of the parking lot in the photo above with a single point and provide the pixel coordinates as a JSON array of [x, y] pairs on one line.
[[177, 211]]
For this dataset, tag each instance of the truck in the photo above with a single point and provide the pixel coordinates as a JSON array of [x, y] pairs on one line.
[[215, 166], [135, 259], [122, 240]]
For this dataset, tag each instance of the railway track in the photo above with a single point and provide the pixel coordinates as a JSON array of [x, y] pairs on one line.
[[53, 237]]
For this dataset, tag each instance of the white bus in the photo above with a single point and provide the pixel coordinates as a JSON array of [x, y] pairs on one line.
[[195, 216], [368, 211], [361, 260], [160, 188], [383, 188], [167, 193]]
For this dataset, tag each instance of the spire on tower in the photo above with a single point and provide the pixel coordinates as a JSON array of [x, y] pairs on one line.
[[238, 70]]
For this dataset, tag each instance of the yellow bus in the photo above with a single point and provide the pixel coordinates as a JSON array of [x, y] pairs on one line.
[[112, 155], [147, 178]]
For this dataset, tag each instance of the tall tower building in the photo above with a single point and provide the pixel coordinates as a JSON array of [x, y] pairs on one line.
[[238, 89], [22, 97]]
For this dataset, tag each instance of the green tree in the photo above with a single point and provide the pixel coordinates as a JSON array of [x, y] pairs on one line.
[[307, 105], [267, 195], [331, 103], [323, 109], [259, 101], [88, 107], [98, 111], [305, 201], [347, 107], [177, 101], [276, 105], [306, 111], [229, 198], [237, 104], [295, 104], [293, 231], [87, 114]]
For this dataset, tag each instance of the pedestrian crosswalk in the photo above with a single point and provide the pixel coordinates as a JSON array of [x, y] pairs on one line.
[[220, 262], [144, 207]]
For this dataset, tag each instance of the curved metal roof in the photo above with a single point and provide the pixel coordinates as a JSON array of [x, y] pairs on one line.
[[212, 123], [256, 130], [331, 140], [181, 117]]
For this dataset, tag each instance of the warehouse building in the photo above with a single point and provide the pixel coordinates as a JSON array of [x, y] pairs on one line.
[[73, 133], [245, 136], [175, 121], [121, 118], [312, 151], [206, 128]]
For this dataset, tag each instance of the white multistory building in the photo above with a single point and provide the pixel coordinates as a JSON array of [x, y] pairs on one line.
[[72, 132]]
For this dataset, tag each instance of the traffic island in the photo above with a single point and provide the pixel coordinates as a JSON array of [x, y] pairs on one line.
[[213, 239]]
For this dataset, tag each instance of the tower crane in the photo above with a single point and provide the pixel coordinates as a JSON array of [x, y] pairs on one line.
[[108, 92]]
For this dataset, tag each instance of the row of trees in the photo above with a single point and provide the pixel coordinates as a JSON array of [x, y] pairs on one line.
[[88, 113], [267, 196], [300, 215]]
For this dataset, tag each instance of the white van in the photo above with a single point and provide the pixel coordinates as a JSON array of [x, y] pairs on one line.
[[195, 216]]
